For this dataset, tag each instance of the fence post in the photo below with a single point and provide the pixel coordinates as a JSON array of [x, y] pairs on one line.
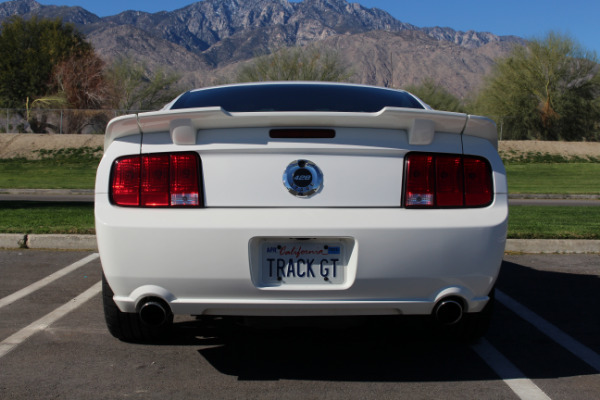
[[61, 121]]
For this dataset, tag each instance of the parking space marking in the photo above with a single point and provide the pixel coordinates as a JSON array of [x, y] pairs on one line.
[[10, 343], [581, 351], [508, 372], [46, 281]]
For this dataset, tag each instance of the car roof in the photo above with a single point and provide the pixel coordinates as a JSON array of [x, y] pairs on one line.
[[297, 96]]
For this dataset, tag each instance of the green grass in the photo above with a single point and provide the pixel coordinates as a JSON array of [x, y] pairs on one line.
[[43, 175], [46, 217], [550, 222], [563, 178], [534, 172], [56, 169]]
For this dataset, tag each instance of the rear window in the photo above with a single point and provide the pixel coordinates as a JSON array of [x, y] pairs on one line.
[[297, 97]]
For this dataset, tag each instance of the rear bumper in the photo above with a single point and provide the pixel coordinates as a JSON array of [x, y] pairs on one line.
[[201, 260]]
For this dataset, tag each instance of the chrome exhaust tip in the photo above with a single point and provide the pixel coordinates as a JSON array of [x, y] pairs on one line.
[[154, 312], [448, 312]]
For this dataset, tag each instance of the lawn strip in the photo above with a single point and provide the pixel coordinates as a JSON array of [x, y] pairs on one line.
[[553, 222], [47, 174], [564, 178], [46, 217]]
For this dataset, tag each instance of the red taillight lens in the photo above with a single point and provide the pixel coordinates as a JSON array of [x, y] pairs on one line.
[[447, 180], [478, 182], [184, 180], [157, 180], [125, 186], [420, 180]]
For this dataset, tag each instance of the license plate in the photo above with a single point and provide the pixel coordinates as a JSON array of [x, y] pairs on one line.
[[287, 262]]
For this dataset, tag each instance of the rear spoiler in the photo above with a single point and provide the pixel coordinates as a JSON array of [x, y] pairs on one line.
[[183, 124]]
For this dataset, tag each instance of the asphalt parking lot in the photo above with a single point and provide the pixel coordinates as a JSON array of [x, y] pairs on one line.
[[544, 342]]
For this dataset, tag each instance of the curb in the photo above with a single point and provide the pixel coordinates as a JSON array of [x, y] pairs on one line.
[[48, 242], [522, 196], [559, 246], [13, 241], [48, 192], [88, 242]]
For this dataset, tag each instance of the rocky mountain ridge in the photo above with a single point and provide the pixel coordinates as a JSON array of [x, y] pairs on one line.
[[206, 41]]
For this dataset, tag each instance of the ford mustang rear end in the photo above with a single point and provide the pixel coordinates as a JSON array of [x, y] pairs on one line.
[[299, 199]]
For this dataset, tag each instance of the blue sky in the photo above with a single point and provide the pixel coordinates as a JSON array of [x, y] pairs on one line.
[[525, 18]]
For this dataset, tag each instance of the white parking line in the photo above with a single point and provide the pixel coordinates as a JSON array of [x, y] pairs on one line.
[[581, 351], [508, 372], [46, 281], [9, 344]]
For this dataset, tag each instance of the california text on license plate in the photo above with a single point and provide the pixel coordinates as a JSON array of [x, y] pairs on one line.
[[303, 262]]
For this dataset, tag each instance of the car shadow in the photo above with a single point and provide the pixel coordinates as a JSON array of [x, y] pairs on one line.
[[377, 349], [564, 296], [568, 300], [390, 349]]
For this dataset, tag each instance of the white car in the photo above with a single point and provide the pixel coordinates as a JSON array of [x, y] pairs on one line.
[[299, 199]]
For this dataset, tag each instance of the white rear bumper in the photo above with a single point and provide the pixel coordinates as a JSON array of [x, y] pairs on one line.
[[200, 260]]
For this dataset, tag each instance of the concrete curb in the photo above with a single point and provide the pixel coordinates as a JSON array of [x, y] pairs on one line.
[[62, 242], [520, 196], [562, 246], [12, 241], [48, 192], [48, 242], [88, 242]]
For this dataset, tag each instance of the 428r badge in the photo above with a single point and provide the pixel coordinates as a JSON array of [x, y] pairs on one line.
[[303, 178]]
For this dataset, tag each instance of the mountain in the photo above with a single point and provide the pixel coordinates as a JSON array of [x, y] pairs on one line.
[[207, 41], [28, 8]]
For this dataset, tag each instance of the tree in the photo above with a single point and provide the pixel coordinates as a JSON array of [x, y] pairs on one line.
[[132, 87], [80, 81], [29, 50], [296, 64], [436, 96], [547, 89]]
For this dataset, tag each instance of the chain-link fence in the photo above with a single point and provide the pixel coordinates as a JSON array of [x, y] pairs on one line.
[[56, 121]]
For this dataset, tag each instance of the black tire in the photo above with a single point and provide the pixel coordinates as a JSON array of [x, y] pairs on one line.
[[128, 327], [472, 326]]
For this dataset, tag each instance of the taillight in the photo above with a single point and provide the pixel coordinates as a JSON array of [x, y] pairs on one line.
[[478, 182], [447, 180], [449, 183], [125, 181], [420, 180], [156, 180], [184, 188]]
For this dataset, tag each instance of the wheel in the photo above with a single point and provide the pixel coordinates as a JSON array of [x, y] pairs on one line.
[[128, 327]]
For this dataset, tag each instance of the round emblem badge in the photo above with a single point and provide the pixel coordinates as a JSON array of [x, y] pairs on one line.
[[302, 178]]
